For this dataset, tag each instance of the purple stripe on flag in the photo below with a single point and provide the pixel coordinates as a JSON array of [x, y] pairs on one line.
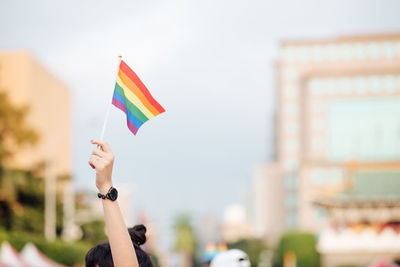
[[122, 107]]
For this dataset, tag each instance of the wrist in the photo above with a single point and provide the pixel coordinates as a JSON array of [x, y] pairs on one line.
[[112, 194], [103, 188]]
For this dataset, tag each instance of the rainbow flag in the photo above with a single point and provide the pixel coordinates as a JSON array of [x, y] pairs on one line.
[[132, 97]]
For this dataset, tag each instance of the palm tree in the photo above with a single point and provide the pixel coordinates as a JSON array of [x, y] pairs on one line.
[[185, 242]]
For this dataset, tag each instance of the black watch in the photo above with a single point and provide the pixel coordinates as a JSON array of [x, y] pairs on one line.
[[112, 194]]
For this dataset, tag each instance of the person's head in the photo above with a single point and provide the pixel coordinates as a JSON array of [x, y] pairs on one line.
[[231, 258], [138, 237], [100, 255]]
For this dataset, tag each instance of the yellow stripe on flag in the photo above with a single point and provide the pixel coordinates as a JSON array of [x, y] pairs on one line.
[[134, 99], [135, 90]]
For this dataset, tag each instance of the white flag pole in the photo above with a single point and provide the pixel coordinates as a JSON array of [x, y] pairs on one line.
[[109, 106]]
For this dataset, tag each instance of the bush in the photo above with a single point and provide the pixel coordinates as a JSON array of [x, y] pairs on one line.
[[252, 246], [301, 245], [94, 232], [62, 252]]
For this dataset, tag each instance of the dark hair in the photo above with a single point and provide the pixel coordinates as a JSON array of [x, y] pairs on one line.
[[101, 254], [138, 237]]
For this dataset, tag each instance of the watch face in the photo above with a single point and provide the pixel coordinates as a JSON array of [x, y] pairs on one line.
[[113, 194]]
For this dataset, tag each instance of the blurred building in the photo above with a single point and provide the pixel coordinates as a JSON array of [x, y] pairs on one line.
[[28, 83], [235, 224], [338, 145], [209, 230], [266, 198]]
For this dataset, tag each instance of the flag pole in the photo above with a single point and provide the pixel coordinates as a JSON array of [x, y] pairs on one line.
[[109, 106]]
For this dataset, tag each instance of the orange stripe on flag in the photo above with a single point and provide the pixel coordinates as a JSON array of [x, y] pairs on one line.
[[134, 78], [134, 89]]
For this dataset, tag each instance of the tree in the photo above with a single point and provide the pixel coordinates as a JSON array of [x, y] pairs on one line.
[[185, 242], [14, 131], [93, 232], [252, 246], [300, 247]]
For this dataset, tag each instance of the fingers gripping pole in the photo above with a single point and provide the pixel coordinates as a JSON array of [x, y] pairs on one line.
[[109, 107]]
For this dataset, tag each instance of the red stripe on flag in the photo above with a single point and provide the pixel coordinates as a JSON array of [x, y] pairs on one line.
[[132, 75]]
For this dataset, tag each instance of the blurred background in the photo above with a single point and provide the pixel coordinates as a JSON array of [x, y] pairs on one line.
[[281, 135]]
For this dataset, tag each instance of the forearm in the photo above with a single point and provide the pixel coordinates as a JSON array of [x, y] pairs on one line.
[[122, 250]]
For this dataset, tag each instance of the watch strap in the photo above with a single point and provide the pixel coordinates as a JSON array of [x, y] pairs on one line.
[[107, 195]]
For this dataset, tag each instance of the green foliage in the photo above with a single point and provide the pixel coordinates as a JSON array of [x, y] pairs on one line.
[[185, 239], [303, 245], [59, 251], [31, 220], [22, 193], [23, 220], [14, 131], [252, 246], [185, 242], [155, 260], [94, 232], [23, 207]]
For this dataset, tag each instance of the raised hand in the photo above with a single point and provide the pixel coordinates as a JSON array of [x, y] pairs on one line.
[[102, 159]]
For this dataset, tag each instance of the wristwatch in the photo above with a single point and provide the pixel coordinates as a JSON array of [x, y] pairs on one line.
[[112, 194]]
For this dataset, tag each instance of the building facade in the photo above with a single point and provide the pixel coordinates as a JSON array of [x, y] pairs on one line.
[[28, 83], [338, 132]]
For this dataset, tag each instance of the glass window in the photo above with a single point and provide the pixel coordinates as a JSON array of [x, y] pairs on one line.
[[291, 145], [374, 83], [291, 182], [291, 165], [291, 109], [364, 129], [291, 127], [317, 176], [318, 107], [291, 201], [389, 83], [288, 53], [318, 143], [398, 82], [290, 73], [315, 86], [303, 53], [326, 176], [359, 50], [320, 214], [334, 176], [318, 124], [317, 53], [388, 50], [332, 52], [360, 84], [290, 91], [373, 50], [344, 85], [331, 86], [291, 220], [398, 49]]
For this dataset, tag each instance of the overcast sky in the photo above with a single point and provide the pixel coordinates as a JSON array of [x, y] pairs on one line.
[[209, 63]]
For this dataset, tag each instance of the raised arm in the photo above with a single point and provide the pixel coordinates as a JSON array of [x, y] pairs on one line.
[[123, 253]]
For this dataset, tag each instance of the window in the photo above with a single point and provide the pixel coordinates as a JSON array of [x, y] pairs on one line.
[[291, 220], [364, 129]]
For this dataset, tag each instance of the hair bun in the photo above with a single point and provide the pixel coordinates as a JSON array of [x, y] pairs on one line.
[[138, 234]]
